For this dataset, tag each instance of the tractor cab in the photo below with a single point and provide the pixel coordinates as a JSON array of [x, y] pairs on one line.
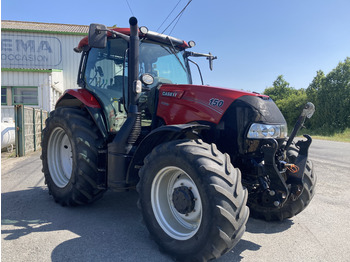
[[104, 72]]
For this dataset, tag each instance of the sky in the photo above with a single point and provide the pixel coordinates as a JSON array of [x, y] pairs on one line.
[[255, 40]]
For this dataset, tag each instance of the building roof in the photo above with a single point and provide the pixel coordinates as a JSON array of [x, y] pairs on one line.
[[9, 25]]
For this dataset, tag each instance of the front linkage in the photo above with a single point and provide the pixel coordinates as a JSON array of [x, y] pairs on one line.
[[285, 179], [281, 176]]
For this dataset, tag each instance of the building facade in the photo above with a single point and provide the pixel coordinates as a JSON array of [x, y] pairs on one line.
[[37, 63]]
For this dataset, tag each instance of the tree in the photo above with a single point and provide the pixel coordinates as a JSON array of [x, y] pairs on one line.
[[312, 92], [315, 86], [333, 99], [330, 93], [289, 100], [279, 90]]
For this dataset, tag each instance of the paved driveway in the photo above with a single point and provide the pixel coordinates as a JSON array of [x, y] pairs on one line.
[[35, 228]]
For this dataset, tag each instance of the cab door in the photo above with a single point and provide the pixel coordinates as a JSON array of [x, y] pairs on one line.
[[106, 75]]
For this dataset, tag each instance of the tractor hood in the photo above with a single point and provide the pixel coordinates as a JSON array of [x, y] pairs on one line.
[[188, 103]]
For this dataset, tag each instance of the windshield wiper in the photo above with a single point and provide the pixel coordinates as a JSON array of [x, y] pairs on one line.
[[174, 53]]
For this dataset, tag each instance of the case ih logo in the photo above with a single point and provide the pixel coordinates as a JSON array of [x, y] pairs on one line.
[[171, 94], [24, 51]]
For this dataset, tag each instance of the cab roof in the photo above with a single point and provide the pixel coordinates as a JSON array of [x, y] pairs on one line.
[[157, 37]]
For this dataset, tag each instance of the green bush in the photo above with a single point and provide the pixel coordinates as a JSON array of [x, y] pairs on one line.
[[330, 93]]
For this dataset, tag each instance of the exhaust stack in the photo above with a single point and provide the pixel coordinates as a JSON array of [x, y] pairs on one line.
[[119, 149]]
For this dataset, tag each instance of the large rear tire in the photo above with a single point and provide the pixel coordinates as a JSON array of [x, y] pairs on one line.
[[292, 206], [70, 155], [192, 200]]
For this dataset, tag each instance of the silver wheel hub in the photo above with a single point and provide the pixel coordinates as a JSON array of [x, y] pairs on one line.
[[59, 156], [176, 203]]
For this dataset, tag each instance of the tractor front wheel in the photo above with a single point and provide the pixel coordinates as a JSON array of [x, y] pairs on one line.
[[192, 200]]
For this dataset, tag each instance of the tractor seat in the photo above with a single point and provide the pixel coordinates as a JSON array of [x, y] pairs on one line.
[[117, 83]]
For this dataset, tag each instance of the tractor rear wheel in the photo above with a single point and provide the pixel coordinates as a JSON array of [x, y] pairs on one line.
[[293, 206], [70, 155], [192, 200]]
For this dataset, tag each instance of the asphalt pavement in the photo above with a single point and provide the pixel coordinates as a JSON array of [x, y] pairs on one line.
[[35, 228]]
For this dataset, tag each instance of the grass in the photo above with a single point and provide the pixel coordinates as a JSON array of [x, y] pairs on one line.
[[340, 137]]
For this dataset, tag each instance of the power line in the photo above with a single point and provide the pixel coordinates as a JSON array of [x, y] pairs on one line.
[[169, 14], [176, 23], [178, 16], [127, 2]]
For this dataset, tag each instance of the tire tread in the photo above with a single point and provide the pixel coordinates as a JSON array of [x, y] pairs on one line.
[[87, 140]]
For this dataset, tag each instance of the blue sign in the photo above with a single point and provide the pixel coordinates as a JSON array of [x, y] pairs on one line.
[[30, 52]]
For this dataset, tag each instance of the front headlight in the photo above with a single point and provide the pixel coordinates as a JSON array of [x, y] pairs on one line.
[[261, 131]]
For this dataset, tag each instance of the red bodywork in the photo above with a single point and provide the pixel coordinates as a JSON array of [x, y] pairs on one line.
[[179, 104], [82, 95]]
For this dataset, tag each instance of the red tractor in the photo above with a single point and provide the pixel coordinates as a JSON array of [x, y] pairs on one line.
[[197, 155]]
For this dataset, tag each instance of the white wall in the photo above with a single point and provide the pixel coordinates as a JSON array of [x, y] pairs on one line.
[[7, 112], [20, 50], [41, 80], [50, 85], [70, 60], [41, 51]]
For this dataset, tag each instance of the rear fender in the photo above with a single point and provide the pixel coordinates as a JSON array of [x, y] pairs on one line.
[[78, 97], [83, 98], [158, 136]]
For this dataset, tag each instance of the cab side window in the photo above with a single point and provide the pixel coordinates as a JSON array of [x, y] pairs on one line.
[[105, 76]]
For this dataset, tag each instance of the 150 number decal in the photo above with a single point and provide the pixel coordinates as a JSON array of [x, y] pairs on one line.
[[216, 102]]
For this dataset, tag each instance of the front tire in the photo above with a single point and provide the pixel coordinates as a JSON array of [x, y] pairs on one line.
[[292, 206], [192, 200], [70, 155]]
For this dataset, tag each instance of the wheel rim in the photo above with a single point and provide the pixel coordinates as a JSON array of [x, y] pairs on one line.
[[178, 225], [59, 154]]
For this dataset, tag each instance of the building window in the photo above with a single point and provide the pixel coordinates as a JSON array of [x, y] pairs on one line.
[[3, 95], [27, 95]]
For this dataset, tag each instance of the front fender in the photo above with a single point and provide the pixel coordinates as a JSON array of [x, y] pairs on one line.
[[158, 136]]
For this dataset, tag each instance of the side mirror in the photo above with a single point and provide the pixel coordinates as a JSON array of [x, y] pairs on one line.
[[97, 36], [211, 64], [211, 58]]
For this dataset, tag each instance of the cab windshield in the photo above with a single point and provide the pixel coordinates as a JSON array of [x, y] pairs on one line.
[[165, 64]]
